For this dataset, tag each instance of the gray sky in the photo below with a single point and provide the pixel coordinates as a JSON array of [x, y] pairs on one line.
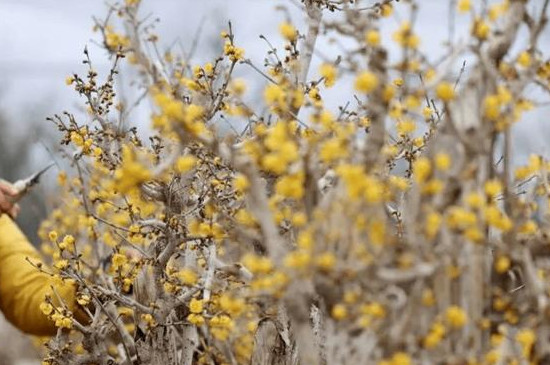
[[42, 42]]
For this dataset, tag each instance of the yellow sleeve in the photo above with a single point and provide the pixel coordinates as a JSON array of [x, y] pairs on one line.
[[22, 286]]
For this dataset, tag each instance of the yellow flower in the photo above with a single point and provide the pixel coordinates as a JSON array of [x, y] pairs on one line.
[[257, 264], [185, 163], [61, 264], [428, 298], [460, 218], [288, 31], [529, 227], [401, 358], [238, 86], [502, 264], [195, 319], [453, 271], [427, 112], [241, 183], [329, 73], [149, 319], [130, 173], [442, 161], [62, 178], [445, 91], [339, 312], [83, 299], [493, 187], [299, 219], [209, 69], [297, 259], [386, 10], [412, 102], [366, 82], [418, 142], [373, 190], [526, 338], [196, 306], [332, 150], [481, 29], [504, 95], [475, 200], [456, 316], [524, 59], [365, 322], [492, 356], [274, 94], [46, 308], [193, 112], [430, 74], [431, 340], [474, 234], [374, 309], [66, 322], [436, 334], [422, 169], [433, 222], [496, 218], [377, 232], [464, 6], [234, 53], [187, 276], [326, 261], [406, 127], [491, 106], [233, 306], [61, 320], [221, 326], [387, 94], [495, 10], [305, 239], [405, 37], [67, 243], [399, 182], [114, 41], [291, 186], [245, 218], [52, 235], [118, 260], [77, 139], [372, 37]]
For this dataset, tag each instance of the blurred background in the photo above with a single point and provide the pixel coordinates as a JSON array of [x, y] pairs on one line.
[[41, 43]]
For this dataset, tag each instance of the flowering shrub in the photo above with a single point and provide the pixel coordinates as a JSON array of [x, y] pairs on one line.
[[391, 231]]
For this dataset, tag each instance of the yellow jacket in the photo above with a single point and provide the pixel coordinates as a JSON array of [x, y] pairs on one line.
[[22, 286]]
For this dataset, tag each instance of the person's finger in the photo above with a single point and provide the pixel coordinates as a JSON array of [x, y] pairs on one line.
[[14, 212], [5, 205], [7, 189]]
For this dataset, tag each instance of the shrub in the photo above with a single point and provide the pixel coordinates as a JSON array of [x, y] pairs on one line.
[[392, 230]]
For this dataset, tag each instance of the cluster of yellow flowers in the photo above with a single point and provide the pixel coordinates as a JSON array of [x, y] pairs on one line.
[[386, 219], [60, 316]]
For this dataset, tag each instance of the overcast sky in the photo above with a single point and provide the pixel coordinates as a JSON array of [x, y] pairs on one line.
[[41, 42]]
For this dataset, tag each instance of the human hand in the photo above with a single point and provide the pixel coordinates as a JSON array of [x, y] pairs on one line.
[[6, 204]]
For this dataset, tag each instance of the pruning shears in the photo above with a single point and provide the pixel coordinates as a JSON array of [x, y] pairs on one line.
[[23, 186]]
